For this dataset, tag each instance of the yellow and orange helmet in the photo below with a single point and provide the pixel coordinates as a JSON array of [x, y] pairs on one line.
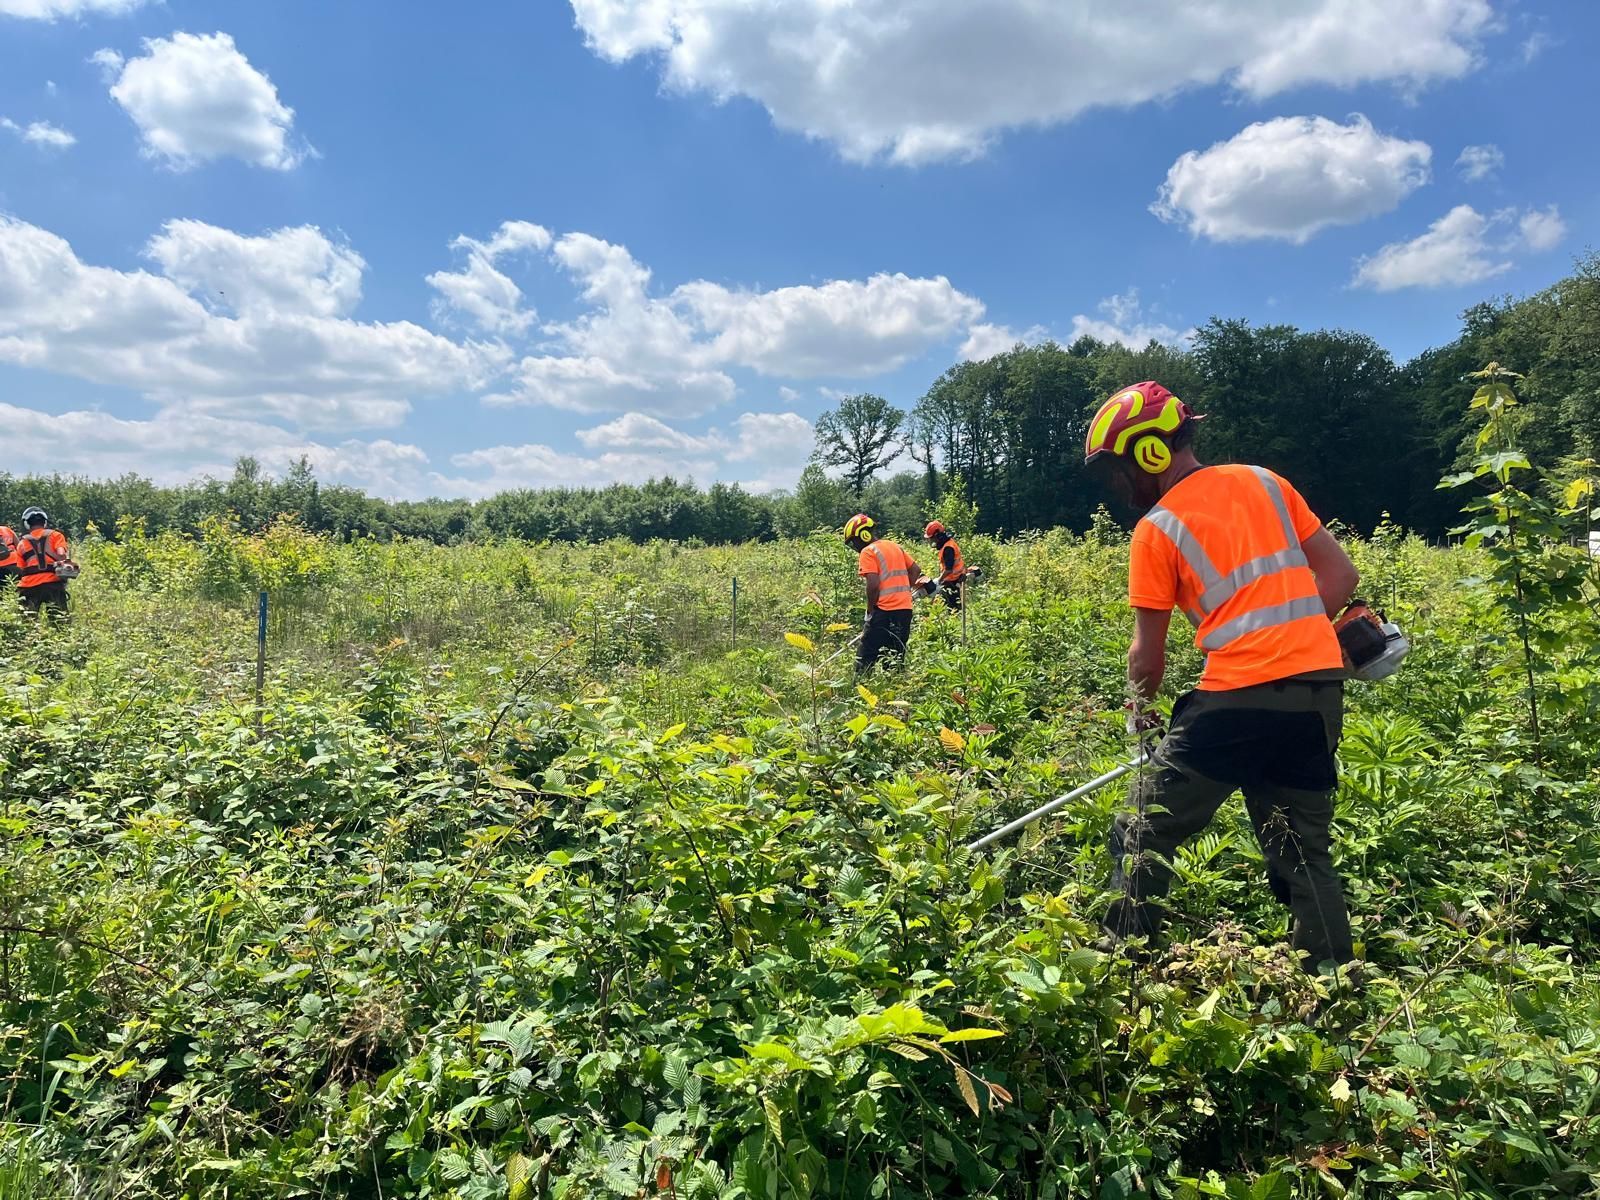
[[858, 525], [1137, 423]]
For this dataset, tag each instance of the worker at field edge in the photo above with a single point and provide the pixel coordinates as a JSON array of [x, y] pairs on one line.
[[952, 567], [41, 551], [1236, 549], [8, 556], [892, 579]]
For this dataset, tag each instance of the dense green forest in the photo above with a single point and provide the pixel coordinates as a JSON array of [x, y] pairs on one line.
[[1358, 433]]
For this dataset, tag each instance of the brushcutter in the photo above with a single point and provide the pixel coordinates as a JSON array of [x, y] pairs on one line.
[[1077, 793]]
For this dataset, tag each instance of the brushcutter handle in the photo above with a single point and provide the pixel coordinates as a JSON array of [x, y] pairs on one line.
[[1094, 785]]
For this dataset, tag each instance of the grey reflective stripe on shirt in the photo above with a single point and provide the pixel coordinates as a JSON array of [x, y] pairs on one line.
[[1263, 618], [1221, 592], [1275, 493], [1188, 545], [1217, 589], [884, 574]]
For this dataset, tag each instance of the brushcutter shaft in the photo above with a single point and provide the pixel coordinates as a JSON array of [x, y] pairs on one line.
[[1077, 793]]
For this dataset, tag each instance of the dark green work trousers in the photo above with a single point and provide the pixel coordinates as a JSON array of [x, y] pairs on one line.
[[1274, 742]]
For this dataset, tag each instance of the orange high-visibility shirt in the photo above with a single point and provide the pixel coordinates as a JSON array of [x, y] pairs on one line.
[[8, 546], [895, 572], [956, 566], [1224, 547], [38, 552]]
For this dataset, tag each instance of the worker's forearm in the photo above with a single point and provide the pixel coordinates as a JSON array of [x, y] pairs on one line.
[[1336, 588]]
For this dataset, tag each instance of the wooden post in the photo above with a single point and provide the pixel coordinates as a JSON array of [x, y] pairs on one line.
[[261, 654], [733, 624]]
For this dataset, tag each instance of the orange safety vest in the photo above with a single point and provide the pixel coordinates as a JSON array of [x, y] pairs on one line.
[[895, 571], [8, 546], [1246, 586], [959, 569], [37, 556]]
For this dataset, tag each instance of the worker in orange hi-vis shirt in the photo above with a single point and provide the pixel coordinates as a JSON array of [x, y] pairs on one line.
[[44, 564], [892, 580], [1238, 551], [8, 556]]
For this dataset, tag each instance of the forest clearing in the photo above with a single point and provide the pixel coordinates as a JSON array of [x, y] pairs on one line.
[[799, 600], [538, 876]]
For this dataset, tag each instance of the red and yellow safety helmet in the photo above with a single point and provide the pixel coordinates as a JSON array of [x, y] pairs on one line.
[[1137, 423], [857, 525], [933, 528]]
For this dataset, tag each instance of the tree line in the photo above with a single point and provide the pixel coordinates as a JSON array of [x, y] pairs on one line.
[[1360, 434]]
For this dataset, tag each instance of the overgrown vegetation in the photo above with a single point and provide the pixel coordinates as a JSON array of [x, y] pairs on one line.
[[534, 884]]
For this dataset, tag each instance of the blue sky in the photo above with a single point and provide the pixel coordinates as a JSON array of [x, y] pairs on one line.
[[447, 250]]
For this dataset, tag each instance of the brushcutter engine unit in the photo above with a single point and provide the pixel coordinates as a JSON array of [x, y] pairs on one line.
[[1373, 645]]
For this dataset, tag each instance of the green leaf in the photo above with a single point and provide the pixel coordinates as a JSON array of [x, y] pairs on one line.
[[866, 1112], [1028, 981], [777, 1052], [1272, 1186], [519, 1172], [1412, 1056], [1495, 393], [676, 1072], [1503, 462]]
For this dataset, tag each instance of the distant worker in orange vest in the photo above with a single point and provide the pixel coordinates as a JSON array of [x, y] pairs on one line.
[[1238, 551], [952, 567], [8, 556], [893, 580], [44, 564]]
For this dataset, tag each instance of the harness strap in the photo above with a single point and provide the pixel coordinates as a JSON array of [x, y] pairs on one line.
[[38, 550]]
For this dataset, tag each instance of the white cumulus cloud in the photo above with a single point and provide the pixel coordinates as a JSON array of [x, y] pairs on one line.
[[1454, 251], [286, 271], [846, 327], [232, 325], [51, 10], [985, 340], [1477, 163], [670, 353], [1461, 247], [40, 133], [1124, 321], [761, 451], [174, 447], [1542, 229], [196, 98], [1290, 177], [1121, 319], [920, 80], [480, 291]]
